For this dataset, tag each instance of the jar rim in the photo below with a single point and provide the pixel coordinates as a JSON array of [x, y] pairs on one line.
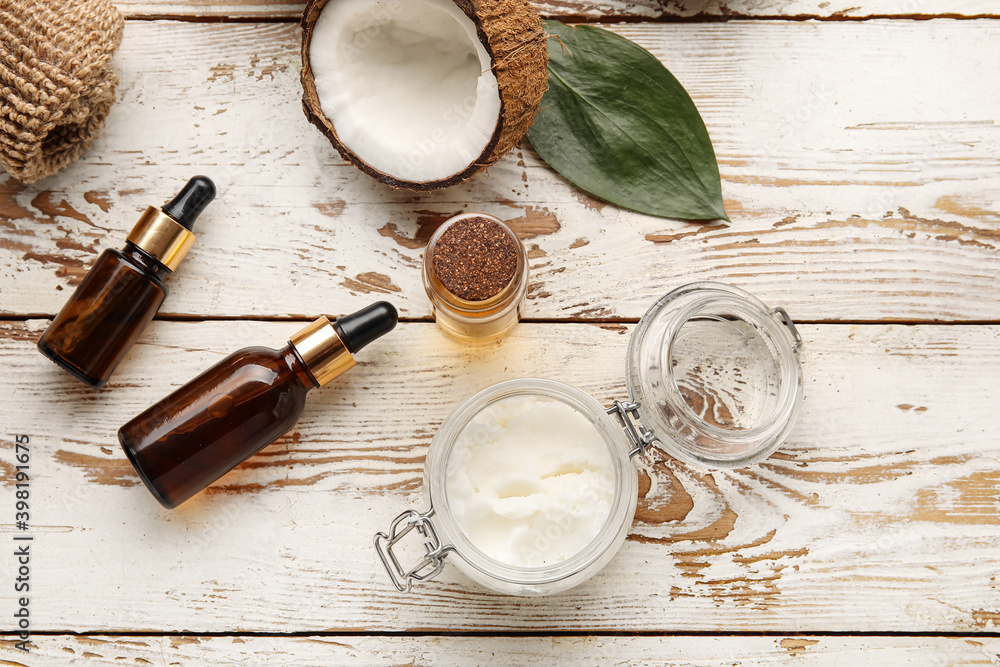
[[623, 503], [670, 314]]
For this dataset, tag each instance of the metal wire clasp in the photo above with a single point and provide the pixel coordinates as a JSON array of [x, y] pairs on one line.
[[432, 562], [787, 319], [628, 417]]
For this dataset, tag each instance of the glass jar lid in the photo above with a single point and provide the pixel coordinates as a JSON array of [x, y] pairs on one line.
[[715, 375]]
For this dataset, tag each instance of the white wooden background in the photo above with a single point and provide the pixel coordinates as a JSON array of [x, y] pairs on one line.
[[859, 149]]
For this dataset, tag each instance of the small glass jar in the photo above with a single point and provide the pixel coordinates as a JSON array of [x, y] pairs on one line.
[[476, 321], [713, 377]]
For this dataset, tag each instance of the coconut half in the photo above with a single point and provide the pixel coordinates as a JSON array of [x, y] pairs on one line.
[[422, 94]]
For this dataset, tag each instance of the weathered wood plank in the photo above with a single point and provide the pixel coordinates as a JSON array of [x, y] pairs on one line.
[[603, 9], [512, 651], [854, 195], [879, 513]]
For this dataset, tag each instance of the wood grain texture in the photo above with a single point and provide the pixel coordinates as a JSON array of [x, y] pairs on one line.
[[647, 10], [512, 652], [855, 195], [878, 514]]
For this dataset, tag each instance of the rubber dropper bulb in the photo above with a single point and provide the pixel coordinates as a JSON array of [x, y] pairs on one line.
[[361, 328], [188, 204]]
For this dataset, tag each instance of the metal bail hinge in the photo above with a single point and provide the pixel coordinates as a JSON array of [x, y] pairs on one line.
[[628, 417], [787, 319], [432, 562]]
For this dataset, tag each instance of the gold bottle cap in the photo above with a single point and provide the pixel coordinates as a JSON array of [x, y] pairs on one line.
[[323, 351], [162, 237]]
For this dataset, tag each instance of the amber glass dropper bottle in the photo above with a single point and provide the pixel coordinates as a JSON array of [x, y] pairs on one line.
[[124, 289], [239, 406]]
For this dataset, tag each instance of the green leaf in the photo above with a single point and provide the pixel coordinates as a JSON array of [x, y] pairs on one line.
[[617, 124]]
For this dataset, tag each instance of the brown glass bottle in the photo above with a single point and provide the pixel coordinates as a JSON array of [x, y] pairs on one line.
[[124, 289], [236, 408], [239, 406], [109, 310]]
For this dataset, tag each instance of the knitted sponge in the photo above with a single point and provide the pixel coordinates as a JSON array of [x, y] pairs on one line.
[[56, 82]]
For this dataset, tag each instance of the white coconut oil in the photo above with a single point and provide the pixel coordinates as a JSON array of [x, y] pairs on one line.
[[530, 481]]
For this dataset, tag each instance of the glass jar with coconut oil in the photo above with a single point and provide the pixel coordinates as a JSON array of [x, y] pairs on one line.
[[529, 482]]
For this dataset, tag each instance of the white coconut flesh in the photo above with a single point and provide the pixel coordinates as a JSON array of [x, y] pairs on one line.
[[406, 84]]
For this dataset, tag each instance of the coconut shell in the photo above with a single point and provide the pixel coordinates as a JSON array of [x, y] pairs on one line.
[[512, 34]]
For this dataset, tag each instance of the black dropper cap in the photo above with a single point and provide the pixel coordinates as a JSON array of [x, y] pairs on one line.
[[191, 201], [360, 328]]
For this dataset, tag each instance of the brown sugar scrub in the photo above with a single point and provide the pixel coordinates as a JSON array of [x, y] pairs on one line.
[[475, 258], [476, 275]]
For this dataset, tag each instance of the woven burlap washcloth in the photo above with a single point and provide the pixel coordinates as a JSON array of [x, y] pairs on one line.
[[56, 82]]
